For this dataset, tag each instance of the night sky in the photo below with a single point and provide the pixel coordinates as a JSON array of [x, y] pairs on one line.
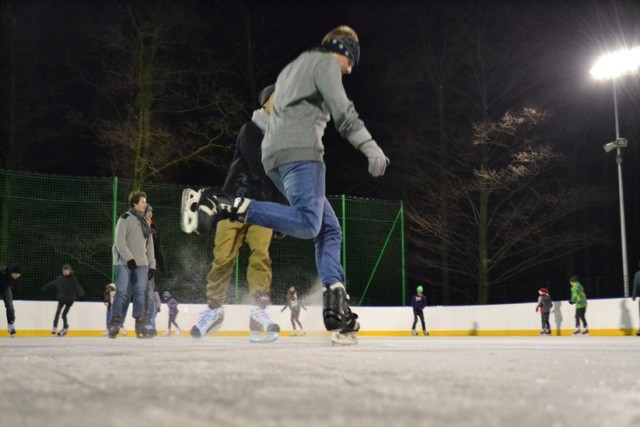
[[427, 68]]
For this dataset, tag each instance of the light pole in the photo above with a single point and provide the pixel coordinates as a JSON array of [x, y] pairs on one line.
[[610, 67]]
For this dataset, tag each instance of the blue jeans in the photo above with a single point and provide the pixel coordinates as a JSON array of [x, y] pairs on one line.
[[137, 281], [309, 216]]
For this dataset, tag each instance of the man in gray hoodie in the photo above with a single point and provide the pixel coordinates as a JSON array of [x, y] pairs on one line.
[[308, 93], [134, 262]]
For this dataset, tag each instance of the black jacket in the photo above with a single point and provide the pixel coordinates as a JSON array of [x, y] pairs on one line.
[[67, 288], [246, 176], [6, 280]]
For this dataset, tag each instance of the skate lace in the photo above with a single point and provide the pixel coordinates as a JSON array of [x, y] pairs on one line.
[[208, 317], [261, 316]]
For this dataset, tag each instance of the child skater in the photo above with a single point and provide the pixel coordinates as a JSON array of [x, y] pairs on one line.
[[294, 305], [418, 302], [172, 304], [544, 305], [67, 291]]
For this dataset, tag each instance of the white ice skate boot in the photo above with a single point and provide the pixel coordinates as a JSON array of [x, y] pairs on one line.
[[197, 211], [12, 330], [209, 321], [62, 332], [262, 329]]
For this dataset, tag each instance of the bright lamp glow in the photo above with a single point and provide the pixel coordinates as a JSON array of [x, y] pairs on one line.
[[616, 64]]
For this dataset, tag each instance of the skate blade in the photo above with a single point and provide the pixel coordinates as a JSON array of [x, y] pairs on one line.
[[263, 338], [189, 210], [343, 338]]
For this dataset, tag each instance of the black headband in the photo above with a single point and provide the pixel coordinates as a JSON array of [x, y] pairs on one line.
[[344, 46]]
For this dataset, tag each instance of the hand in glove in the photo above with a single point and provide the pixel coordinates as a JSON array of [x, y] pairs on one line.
[[152, 273], [132, 264], [377, 160]]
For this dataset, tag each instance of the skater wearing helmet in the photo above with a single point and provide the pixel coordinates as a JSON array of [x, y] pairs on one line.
[[419, 302], [308, 93], [544, 305], [246, 178]]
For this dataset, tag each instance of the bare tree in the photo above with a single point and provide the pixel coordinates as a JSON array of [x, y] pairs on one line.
[[167, 103], [509, 207]]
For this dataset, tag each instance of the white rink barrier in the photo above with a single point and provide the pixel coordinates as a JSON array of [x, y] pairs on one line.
[[617, 316]]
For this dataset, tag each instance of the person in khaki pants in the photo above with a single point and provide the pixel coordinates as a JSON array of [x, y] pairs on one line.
[[246, 178]]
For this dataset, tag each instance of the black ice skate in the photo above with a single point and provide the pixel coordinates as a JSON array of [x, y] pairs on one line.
[[338, 317], [114, 327]]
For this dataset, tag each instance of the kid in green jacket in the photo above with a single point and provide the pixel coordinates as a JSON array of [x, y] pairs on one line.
[[579, 298]]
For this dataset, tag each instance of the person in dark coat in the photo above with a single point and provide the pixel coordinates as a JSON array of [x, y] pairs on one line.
[[418, 302], [9, 277], [68, 289]]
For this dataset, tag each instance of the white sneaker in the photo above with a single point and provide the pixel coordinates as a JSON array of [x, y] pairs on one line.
[[209, 321], [262, 329]]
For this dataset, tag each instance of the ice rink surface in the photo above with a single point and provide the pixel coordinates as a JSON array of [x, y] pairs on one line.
[[305, 381]]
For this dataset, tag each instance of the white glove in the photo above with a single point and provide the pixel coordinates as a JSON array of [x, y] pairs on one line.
[[377, 160]]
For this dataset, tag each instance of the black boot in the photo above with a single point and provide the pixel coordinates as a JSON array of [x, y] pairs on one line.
[[114, 327], [141, 331], [336, 312]]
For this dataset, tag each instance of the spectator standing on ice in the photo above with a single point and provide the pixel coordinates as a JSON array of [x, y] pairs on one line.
[[134, 262], [172, 305], [418, 303], [68, 289], [9, 277], [579, 298], [293, 304], [544, 306], [309, 92], [150, 306]]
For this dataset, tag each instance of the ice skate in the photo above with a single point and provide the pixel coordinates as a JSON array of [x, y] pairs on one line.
[[262, 329], [543, 331], [167, 333], [576, 331], [197, 211], [54, 331], [338, 317], [302, 333], [179, 332], [293, 334], [209, 321], [62, 332], [12, 330], [425, 332], [141, 331], [585, 331], [413, 332], [114, 327]]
